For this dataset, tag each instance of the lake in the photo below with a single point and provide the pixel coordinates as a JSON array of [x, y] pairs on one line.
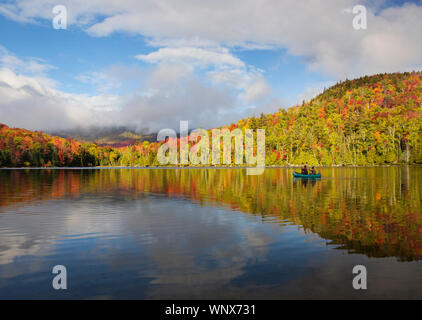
[[210, 233]]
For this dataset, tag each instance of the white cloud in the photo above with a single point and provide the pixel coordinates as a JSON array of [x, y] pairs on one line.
[[248, 80], [101, 80], [256, 91], [319, 30], [195, 56], [171, 92], [195, 42], [31, 100], [223, 68], [34, 103], [27, 66], [174, 92]]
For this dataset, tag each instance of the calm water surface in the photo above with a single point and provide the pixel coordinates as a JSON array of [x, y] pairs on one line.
[[210, 233]]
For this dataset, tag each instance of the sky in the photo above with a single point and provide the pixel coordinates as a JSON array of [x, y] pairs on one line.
[[150, 64]]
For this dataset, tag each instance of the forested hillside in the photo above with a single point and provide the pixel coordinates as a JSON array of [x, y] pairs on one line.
[[367, 121], [371, 120]]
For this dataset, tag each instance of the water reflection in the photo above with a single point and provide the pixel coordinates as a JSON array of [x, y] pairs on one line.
[[375, 211], [179, 234]]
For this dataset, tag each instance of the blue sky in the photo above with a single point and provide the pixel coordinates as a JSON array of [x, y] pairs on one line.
[[213, 62], [73, 52]]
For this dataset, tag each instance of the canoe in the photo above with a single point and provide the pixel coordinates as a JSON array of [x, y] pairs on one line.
[[308, 176]]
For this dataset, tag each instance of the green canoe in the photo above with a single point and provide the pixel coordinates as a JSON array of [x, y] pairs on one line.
[[308, 176]]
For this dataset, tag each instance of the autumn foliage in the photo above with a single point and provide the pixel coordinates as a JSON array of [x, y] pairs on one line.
[[367, 121]]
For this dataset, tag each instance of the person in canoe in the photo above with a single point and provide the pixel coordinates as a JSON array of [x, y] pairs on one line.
[[307, 173]]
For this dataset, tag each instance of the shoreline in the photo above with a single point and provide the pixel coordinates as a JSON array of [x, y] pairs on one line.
[[206, 167]]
